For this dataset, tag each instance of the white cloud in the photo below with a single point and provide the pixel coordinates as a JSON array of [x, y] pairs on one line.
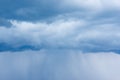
[[59, 65], [94, 5], [71, 33], [38, 33]]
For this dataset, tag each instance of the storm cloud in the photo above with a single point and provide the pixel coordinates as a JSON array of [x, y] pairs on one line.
[[59, 40], [70, 33]]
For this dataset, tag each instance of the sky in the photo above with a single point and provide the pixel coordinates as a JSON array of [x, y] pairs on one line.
[[59, 39]]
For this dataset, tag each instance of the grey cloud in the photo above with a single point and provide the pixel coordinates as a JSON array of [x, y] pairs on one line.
[[5, 23], [62, 34], [43, 9]]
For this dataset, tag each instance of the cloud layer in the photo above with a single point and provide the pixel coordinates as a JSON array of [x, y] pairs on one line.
[[59, 40], [41, 9], [69, 33]]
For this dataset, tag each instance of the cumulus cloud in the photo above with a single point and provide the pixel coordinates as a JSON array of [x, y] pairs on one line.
[[59, 65], [63, 33]]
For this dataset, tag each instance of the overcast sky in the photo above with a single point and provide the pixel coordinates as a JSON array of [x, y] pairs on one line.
[[59, 39]]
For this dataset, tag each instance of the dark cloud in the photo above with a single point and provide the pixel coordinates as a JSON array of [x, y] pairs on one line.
[[64, 24], [43, 9], [5, 23], [28, 9]]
